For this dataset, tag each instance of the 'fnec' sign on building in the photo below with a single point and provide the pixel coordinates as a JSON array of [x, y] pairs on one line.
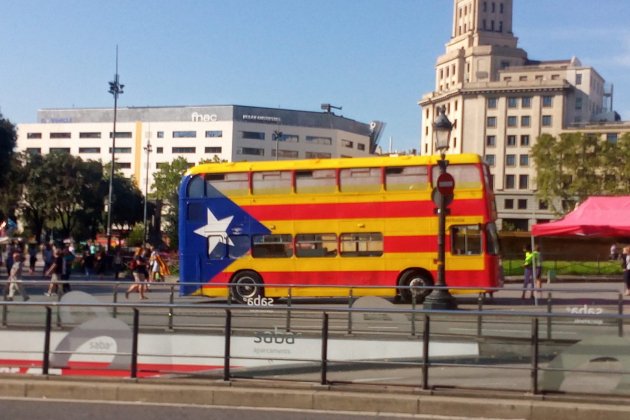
[[197, 117]]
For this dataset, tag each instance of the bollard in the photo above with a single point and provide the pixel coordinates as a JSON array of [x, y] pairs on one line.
[[413, 314], [324, 373], [115, 300], [549, 310], [479, 317], [171, 312], [134, 343], [46, 361], [425, 352], [228, 340], [4, 315]]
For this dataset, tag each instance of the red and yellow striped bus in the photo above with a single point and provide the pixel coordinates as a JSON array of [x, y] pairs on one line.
[[256, 228]]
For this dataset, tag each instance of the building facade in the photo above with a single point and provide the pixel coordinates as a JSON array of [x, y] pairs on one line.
[[197, 133], [500, 102]]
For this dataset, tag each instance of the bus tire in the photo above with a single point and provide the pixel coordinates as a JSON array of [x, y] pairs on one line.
[[246, 285], [414, 278]]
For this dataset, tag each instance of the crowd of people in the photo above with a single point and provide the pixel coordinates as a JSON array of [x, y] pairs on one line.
[[59, 261]]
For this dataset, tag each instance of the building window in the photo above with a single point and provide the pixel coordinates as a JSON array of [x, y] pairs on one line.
[[508, 203], [253, 151], [160, 134], [612, 138], [526, 101], [491, 141], [512, 121], [347, 143], [522, 204], [213, 150], [360, 146], [546, 120], [510, 160], [490, 160], [286, 154], [122, 150], [253, 135], [578, 79], [89, 150], [90, 135], [34, 150], [492, 122], [319, 140], [509, 182], [121, 134], [543, 205], [33, 135], [317, 155], [492, 103], [525, 140], [511, 141], [59, 150], [214, 133], [184, 134], [123, 165], [523, 182], [512, 102], [159, 150], [578, 104], [547, 101], [555, 77], [523, 160], [184, 150], [525, 121], [60, 135], [290, 138]]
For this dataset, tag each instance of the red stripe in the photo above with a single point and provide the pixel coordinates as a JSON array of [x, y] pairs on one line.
[[417, 243], [423, 208]]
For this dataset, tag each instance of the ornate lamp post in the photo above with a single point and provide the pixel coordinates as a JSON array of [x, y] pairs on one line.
[[115, 88], [147, 149], [442, 195]]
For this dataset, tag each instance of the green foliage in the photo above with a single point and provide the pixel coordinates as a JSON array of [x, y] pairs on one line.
[[576, 166], [136, 236]]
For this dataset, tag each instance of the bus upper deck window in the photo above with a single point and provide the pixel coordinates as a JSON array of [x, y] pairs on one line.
[[229, 184], [196, 187], [272, 182], [466, 176], [318, 181], [406, 178], [360, 180]]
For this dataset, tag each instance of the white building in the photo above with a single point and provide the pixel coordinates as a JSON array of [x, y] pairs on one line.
[[500, 102], [230, 132]]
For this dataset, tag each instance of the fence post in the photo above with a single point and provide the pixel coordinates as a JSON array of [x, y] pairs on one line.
[[228, 340], [534, 344], [46, 361], [549, 310], [288, 328], [134, 343], [413, 315], [479, 317], [171, 310], [115, 300], [425, 352], [620, 311], [4, 315], [350, 303], [324, 372]]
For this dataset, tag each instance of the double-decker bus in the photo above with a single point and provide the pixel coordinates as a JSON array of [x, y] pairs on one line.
[[256, 229]]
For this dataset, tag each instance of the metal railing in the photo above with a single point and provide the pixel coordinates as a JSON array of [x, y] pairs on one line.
[[537, 327]]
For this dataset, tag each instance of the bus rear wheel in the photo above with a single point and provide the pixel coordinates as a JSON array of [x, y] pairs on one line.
[[247, 285], [415, 278]]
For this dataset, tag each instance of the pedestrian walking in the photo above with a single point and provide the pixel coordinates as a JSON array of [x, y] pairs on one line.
[[537, 261], [55, 271], [528, 281], [625, 262], [15, 279], [139, 269]]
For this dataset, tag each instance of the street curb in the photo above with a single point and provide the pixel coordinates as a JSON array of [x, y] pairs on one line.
[[309, 397]]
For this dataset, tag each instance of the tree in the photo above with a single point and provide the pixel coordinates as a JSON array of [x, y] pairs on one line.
[[10, 190], [576, 166], [166, 186]]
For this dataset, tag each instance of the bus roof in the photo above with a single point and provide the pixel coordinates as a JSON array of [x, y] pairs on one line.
[[308, 164]]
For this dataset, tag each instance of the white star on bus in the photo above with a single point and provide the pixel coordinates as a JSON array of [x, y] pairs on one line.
[[216, 230]]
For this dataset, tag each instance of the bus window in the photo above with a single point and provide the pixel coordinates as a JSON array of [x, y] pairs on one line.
[[230, 184], [466, 176], [406, 178], [196, 187], [492, 239], [239, 245], [360, 180], [272, 246], [273, 182], [466, 240], [196, 212], [316, 245], [361, 244], [319, 181]]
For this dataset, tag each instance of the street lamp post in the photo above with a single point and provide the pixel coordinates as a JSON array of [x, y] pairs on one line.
[[148, 149], [277, 135], [440, 298], [115, 88]]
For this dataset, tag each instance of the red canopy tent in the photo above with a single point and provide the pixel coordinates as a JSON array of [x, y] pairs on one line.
[[597, 216]]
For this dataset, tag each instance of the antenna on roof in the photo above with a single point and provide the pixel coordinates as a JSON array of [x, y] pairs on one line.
[[328, 107]]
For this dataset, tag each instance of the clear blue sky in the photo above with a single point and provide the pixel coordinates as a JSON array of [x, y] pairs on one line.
[[374, 58]]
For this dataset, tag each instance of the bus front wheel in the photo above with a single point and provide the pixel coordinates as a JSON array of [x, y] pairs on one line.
[[415, 278], [246, 285]]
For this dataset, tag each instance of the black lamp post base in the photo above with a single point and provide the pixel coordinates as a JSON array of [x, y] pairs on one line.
[[440, 299]]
